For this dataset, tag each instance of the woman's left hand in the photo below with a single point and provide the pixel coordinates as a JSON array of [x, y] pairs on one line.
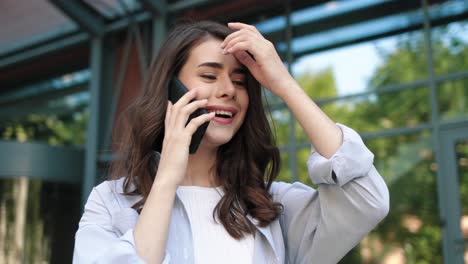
[[266, 65]]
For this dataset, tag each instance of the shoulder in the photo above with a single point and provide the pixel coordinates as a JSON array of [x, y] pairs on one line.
[[111, 193], [110, 186]]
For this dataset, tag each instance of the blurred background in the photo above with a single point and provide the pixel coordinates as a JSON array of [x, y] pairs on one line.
[[395, 71]]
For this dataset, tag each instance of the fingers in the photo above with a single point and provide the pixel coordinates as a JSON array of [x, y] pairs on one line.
[[232, 36], [184, 112], [178, 111], [246, 38], [198, 121], [186, 98], [243, 34], [168, 113], [245, 59], [238, 25], [178, 114]]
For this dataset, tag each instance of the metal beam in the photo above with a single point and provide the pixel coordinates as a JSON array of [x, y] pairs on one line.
[[397, 31], [82, 14], [42, 161], [37, 104], [92, 136], [363, 13], [46, 47], [158, 7], [180, 6], [44, 92], [101, 91]]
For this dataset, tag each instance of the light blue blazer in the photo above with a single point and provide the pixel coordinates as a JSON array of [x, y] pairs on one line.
[[316, 226]]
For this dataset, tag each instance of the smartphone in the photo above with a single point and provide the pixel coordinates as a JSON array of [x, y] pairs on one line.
[[176, 90]]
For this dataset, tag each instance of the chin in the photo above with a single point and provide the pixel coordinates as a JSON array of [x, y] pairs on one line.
[[217, 139]]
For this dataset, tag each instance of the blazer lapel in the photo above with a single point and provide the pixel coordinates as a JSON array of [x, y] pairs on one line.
[[265, 251]]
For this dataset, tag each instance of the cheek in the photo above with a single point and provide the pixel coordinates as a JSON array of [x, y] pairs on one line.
[[244, 97], [204, 90]]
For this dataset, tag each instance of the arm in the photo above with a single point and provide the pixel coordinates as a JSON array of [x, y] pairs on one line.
[[155, 216], [152, 228], [270, 71], [321, 226], [323, 133]]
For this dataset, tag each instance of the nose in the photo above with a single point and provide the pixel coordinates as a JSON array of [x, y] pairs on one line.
[[226, 89]]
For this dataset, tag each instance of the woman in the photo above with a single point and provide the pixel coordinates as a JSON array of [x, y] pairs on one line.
[[220, 204]]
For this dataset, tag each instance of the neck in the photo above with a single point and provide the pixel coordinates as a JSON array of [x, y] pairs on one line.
[[201, 170]]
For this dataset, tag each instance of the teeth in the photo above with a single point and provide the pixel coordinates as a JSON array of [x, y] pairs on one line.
[[221, 112]]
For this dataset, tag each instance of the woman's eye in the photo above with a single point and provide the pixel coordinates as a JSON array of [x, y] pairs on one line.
[[209, 77], [240, 83]]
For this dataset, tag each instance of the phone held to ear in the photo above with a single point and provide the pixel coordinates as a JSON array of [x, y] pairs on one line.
[[176, 90]]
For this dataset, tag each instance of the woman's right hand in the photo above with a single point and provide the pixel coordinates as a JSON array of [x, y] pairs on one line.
[[177, 137]]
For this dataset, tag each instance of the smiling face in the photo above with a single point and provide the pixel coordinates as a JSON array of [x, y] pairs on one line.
[[222, 80]]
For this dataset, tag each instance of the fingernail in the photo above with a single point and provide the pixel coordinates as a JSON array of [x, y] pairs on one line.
[[225, 52], [229, 50]]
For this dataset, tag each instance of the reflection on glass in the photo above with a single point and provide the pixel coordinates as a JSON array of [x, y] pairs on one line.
[[37, 221], [285, 171], [450, 47], [302, 171], [347, 78], [453, 99], [279, 122], [461, 149], [376, 112], [411, 232]]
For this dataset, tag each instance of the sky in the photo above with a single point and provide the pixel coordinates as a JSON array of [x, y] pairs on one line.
[[352, 65]]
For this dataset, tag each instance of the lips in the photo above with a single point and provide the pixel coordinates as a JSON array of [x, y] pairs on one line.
[[224, 114], [230, 111]]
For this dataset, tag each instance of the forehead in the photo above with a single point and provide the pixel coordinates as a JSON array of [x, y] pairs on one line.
[[209, 51]]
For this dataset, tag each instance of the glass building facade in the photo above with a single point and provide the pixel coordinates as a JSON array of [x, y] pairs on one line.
[[395, 71]]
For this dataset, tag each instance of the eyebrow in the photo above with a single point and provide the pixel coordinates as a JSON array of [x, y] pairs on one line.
[[218, 65]]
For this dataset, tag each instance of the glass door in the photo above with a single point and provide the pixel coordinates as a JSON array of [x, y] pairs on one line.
[[454, 193]]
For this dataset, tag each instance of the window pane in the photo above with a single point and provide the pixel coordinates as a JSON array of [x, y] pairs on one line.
[[54, 111], [302, 171], [360, 67], [279, 122], [376, 112], [285, 172], [453, 99], [411, 231], [450, 47], [38, 220]]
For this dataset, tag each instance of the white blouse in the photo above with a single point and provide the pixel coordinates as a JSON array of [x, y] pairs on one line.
[[211, 242], [316, 226]]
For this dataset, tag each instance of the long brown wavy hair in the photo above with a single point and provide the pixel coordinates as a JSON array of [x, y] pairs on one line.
[[246, 166]]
